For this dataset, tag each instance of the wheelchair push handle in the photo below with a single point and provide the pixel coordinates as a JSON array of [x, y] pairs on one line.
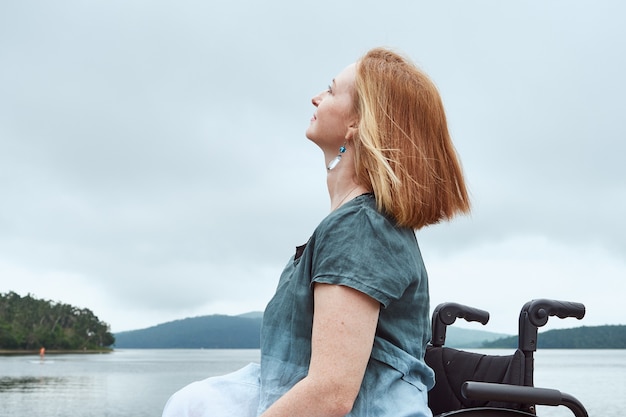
[[446, 314], [538, 311], [535, 314]]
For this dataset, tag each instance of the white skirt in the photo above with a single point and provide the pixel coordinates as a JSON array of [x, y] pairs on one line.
[[234, 394]]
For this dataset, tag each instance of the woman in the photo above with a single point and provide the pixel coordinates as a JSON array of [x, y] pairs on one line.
[[346, 331]]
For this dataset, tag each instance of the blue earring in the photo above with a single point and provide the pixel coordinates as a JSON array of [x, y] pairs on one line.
[[336, 160]]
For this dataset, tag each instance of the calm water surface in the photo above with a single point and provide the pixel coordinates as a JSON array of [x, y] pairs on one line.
[[125, 383], [137, 383]]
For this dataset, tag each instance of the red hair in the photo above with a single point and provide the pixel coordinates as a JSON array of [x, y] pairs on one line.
[[404, 152]]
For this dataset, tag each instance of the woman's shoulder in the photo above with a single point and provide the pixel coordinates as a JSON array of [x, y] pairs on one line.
[[358, 216], [362, 205]]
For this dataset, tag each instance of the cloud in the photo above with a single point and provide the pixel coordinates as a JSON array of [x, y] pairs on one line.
[[153, 162], [501, 276]]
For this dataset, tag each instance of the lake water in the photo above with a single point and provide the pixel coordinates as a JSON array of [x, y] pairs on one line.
[[138, 382]]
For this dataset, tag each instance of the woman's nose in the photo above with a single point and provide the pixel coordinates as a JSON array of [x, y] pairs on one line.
[[318, 99]]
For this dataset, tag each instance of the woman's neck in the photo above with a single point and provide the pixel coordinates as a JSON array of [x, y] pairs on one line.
[[342, 188]]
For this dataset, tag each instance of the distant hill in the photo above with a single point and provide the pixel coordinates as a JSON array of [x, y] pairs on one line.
[[252, 315], [209, 332], [596, 337], [461, 338], [243, 332]]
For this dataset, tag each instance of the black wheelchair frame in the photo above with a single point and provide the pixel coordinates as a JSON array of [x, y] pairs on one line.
[[470, 384]]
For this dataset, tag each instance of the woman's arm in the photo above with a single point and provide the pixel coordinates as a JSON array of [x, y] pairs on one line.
[[344, 324]]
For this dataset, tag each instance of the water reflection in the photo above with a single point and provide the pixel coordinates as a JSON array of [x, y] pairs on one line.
[[28, 383]]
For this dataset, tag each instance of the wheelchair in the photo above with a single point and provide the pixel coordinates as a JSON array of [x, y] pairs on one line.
[[469, 384]]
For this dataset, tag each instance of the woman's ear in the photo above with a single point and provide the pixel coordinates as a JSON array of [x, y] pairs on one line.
[[353, 128]]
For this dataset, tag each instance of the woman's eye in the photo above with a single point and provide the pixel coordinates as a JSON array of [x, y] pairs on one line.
[[330, 89]]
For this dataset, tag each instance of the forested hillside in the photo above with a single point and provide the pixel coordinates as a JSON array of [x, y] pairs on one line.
[[28, 323], [597, 337], [209, 332]]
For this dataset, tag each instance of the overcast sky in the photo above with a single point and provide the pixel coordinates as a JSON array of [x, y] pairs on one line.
[[153, 163]]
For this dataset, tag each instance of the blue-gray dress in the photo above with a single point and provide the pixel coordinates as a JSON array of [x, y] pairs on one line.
[[358, 247]]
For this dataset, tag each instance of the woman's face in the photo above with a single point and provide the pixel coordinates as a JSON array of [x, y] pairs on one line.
[[334, 115]]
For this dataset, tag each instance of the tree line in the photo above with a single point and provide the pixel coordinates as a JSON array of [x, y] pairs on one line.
[[28, 323], [594, 337]]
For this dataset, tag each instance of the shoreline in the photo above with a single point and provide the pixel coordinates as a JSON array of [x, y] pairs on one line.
[[22, 352]]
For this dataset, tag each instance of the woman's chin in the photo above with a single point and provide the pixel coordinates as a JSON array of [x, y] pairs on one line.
[[309, 134]]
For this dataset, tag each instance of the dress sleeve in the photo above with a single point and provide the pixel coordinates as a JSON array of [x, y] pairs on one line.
[[364, 250]]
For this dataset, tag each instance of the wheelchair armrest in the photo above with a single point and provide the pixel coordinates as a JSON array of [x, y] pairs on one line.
[[473, 390]]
